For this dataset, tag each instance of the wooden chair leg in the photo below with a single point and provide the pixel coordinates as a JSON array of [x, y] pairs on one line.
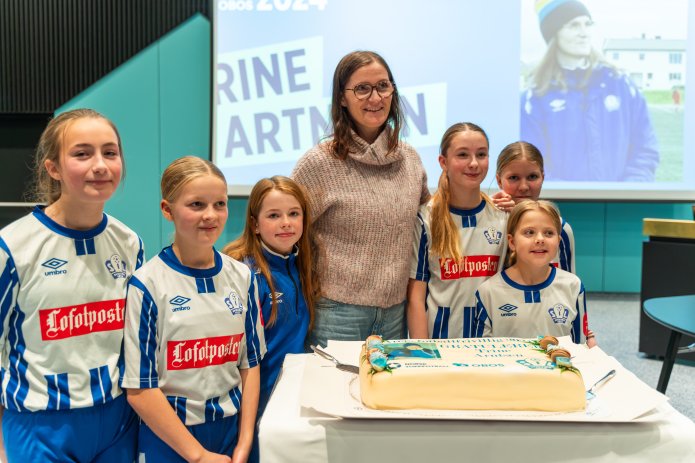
[[669, 360]]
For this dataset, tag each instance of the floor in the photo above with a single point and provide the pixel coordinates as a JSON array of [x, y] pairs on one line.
[[615, 320]]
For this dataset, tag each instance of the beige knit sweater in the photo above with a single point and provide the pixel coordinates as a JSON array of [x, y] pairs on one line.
[[364, 210]]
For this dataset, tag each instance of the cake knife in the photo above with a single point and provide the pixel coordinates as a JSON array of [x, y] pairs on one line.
[[338, 365], [591, 393]]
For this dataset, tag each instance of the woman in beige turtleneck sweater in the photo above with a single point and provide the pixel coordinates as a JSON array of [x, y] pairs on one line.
[[365, 187]]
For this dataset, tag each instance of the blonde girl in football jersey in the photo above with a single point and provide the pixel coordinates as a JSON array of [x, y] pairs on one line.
[[459, 240], [533, 298], [520, 175], [63, 274], [193, 337]]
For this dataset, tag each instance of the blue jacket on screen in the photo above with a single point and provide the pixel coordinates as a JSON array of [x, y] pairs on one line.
[[289, 331], [601, 132]]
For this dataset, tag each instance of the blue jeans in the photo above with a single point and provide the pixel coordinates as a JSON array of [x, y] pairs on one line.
[[349, 322]]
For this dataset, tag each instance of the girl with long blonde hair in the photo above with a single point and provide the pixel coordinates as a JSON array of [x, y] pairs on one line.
[[459, 240]]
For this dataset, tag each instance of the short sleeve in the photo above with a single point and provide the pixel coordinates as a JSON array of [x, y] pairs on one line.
[[9, 287], [140, 338], [419, 266], [255, 336]]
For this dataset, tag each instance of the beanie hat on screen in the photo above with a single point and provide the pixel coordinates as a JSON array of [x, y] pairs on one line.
[[553, 14]]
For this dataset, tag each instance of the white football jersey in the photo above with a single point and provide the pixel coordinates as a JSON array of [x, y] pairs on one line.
[[451, 286], [556, 307], [62, 301], [189, 331]]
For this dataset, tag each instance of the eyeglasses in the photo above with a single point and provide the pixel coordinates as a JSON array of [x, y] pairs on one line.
[[363, 91]]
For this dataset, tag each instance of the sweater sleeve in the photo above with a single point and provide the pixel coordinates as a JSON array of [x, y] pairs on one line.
[[310, 173]]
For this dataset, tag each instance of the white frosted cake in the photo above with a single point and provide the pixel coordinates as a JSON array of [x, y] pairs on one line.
[[469, 374]]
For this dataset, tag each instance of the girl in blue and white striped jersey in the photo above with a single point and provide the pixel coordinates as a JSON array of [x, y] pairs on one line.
[[63, 274], [458, 240], [193, 336], [533, 298]]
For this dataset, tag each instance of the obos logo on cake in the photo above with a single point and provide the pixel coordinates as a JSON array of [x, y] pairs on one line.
[[70, 321], [200, 353], [468, 267]]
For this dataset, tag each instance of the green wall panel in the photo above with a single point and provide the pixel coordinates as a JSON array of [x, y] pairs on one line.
[[588, 223], [129, 96], [159, 100], [184, 106]]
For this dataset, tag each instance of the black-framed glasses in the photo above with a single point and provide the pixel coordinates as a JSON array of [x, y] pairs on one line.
[[384, 88]]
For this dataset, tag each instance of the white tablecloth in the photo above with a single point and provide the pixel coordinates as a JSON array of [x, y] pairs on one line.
[[290, 433]]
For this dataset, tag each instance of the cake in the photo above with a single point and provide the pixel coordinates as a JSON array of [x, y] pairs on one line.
[[470, 374]]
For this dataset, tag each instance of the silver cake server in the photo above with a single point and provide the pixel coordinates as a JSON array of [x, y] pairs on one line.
[[591, 393], [338, 365]]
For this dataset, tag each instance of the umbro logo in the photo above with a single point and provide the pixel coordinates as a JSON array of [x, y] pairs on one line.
[[54, 264], [508, 310], [178, 303]]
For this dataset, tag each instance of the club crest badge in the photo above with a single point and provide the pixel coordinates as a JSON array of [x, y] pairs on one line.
[[612, 103], [116, 267], [492, 235], [234, 304], [559, 313]]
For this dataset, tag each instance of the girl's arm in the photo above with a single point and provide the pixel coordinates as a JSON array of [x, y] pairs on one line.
[[415, 312], [155, 410], [250, 387]]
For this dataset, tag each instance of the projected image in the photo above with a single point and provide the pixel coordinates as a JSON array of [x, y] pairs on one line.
[[602, 88], [599, 86]]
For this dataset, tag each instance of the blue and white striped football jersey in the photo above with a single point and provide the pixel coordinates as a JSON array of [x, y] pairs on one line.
[[62, 302], [565, 252], [189, 331], [451, 285], [555, 307]]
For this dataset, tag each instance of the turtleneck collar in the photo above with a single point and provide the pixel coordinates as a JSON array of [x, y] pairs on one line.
[[376, 153]]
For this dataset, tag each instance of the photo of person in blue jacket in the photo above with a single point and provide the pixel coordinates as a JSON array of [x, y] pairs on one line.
[[585, 115]]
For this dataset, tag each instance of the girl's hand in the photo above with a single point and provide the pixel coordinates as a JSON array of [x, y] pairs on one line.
[[503, 201], [590, 339], [240, 455], [209, 457]]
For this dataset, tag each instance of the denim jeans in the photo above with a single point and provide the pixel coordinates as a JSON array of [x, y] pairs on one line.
[[349, 322]]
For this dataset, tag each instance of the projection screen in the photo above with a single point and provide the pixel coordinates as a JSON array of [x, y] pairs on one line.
[[615, 131]]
